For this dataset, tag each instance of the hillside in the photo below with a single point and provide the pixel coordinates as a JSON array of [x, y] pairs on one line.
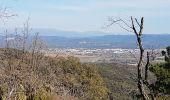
[[33, 76], [120, 79], [28, 76]]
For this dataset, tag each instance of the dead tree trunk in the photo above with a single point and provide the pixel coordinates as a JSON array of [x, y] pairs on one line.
[[25, 33], [152, 95], [139, 65], [142, 83], [147, 67]]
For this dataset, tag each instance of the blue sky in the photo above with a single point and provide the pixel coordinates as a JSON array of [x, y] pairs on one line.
[[88, 15]]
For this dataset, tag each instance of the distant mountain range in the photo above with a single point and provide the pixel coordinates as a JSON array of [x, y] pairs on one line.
[[61, 33], [62, 39], [107, 41]]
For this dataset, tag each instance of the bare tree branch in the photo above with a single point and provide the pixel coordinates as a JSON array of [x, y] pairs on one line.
[[141, 26], [5, 14], [124, 28], [133, 27], [137, 22], [141, 82], [126, 23], [146, 67]]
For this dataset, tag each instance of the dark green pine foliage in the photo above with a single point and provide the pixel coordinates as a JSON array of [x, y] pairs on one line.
[[162, 72]]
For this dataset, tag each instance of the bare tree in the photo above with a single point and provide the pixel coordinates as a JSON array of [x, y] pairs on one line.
[[36, 50], [5, 15], [137, 28], [25, 34], [6, 52]]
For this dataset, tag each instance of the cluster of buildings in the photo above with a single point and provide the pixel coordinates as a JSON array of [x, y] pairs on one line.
[[127, 56]]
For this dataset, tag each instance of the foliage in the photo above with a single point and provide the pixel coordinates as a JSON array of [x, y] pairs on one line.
[[162, 72], [168, 50], [81, 79], [120, 79], [49, 77]]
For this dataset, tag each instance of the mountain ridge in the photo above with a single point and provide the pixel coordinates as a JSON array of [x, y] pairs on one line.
[[154, 41]]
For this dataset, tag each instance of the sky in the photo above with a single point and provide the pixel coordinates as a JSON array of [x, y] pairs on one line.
[[88, 15]]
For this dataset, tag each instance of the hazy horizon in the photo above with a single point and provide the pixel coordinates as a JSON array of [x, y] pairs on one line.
[[63, 33]]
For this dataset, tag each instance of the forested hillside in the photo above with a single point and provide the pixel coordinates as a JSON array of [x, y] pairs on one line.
[[37, 77]]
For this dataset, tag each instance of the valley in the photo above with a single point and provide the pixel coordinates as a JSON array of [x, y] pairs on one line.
[[123, 56]]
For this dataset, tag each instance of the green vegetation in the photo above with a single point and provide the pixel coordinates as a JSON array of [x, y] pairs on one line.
[[82, 79], [162, 72], [48, 78], [28, 76], [120, 79]]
